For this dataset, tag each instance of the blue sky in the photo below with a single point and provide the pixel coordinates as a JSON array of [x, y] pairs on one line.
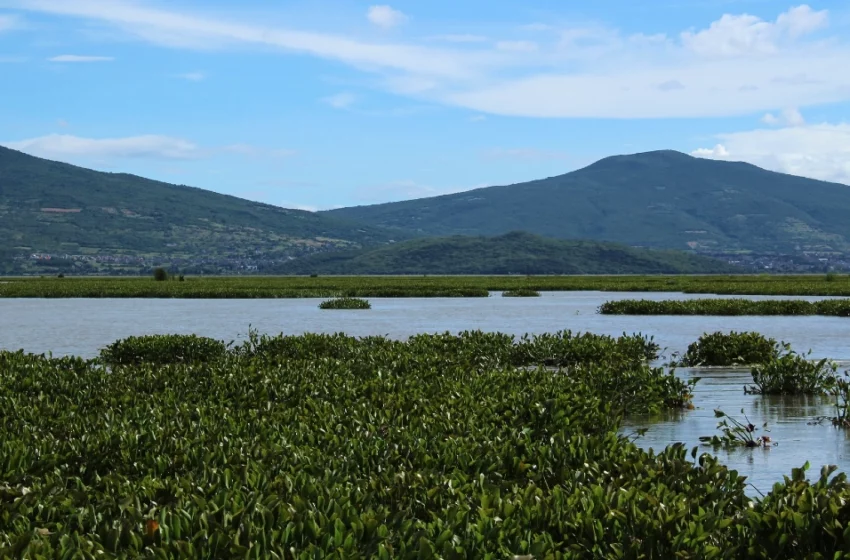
[[323, 103]]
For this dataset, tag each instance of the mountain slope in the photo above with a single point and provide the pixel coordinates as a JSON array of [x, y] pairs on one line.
[[660, 199], [513, 253], [108, 219]]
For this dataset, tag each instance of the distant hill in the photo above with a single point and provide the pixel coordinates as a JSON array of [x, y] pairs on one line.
[[513, 253], [662, 199], [109, 221]]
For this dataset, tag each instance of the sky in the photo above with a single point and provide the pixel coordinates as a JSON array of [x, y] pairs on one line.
[[319, 104]]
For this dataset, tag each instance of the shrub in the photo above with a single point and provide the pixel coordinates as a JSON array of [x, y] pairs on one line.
[[793, 374], [521, 292], [163, 349], [345, 303], [160, 274], [727, 349]]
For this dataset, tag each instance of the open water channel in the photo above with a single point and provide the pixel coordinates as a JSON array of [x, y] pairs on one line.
[[83, 326]]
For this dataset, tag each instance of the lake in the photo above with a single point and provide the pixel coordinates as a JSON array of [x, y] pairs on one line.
[[83, 326]]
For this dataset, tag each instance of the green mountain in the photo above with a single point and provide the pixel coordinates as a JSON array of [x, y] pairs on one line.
[[662, 199], [88, 221], [513, 253]]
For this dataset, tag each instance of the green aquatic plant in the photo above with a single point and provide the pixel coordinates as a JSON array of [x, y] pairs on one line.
[[521, 292], [345, 303], [375, 448], [841, 392], [793, 374], [726, 307], [428, 286], [727, 349], [163, 349], [736, 433]]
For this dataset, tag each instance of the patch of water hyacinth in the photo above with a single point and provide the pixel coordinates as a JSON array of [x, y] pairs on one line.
[[726, 307], [345, 303], [328, 446], [521, 292], [732, 348]]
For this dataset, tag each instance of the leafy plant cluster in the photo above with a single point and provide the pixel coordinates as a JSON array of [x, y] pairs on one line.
[[727, 307], [732, 348], [163, 349], [735, 433], [417, 286], [521, 292], [327, 446], [793, 374], [345, 303]]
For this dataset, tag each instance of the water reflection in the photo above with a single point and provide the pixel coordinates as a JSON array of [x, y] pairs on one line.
[[791, 421]]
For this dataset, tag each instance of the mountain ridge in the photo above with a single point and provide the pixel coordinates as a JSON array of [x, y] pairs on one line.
[[511, 253], [663, 199]]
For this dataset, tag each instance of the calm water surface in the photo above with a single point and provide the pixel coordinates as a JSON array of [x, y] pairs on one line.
[[83, 326]]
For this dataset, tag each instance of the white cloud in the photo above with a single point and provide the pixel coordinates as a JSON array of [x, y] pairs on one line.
[[66, 147], [789, 116], [735, 35], [477, 118], [580, 71], [80, 58], [60, 146], [516, 46], [340, 100], [819, 151], [193, 76], [385, 16]]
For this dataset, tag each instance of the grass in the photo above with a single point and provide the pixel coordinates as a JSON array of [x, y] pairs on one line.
[[345, 303], [726, 307], [415, 286], [439, 446]]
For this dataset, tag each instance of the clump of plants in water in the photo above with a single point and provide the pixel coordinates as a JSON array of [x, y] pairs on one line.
[[726, 307], [736, 433], [345, 303], [793, 374], [841, 392], [727, 349], [163, 349], [521, 292], [376, 448]]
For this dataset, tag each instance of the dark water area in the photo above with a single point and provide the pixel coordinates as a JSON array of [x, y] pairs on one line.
[[83, 326]]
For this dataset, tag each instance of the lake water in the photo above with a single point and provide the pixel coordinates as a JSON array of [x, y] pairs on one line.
[[83, 326]]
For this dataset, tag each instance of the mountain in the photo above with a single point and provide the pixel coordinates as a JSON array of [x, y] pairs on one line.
[[662, 199], [513, 253], [91, 221]]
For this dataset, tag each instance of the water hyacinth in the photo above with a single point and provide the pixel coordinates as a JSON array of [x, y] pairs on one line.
[[726, 307], [438, 446], [727, 349], [421, 286], [345, 303]]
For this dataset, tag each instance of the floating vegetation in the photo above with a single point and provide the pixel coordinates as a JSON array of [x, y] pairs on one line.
[[419, 286], [793, 374], [736, 433], [163, 349], [732, 348], [521, 292], [841, 392], [726, 307], [329, 446], [345, 303]]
